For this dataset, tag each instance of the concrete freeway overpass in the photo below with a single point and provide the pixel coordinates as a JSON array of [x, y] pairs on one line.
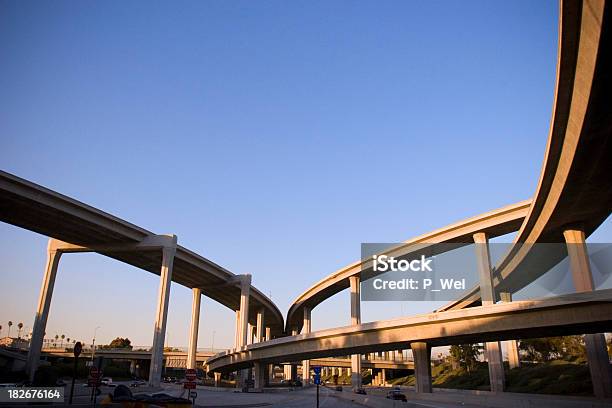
[[559, 315], [179, 358], [573, 197], [76, 227]]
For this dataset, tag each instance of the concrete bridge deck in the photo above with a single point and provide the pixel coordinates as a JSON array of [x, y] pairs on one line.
[[569, 314]]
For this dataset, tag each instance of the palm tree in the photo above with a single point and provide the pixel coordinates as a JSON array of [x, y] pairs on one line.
[[63, 337], [56, 338], [10, 323], [19, 326], [0, 330]]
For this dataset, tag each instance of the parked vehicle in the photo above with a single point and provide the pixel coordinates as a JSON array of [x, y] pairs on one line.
[[396, 395], [338, 388], [360, 391], [107, 381], [137, 383]]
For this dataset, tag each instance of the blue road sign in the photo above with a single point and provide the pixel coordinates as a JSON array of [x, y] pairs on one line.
[[317, 376]]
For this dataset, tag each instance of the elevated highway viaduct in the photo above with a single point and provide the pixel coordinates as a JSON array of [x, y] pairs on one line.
[[76, 227], [573, 197]]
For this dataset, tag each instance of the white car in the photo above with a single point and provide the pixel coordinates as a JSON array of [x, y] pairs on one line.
[[107, 381]]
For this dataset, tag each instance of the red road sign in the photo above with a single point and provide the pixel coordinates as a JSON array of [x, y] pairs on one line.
[[190, 374], [94, 372], [93, 382], [190, 385]]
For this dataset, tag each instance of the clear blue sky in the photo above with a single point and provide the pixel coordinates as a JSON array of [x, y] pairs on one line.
[[272, 137]]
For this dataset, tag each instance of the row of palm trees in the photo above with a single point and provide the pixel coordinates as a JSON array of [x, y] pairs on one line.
[[20, 328], [10, 323], [63, 336]]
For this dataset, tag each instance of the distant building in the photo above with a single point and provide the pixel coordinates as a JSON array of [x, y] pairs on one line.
[[13, 342]]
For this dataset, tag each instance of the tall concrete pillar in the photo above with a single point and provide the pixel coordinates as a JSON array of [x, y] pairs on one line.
[[511, 345], [270, 366], [133, 369], [287, 372], [42, 312], [421, 352], [237, 331], [400, 355], [354, 282], [249, 334], [293, 368], [383, 377], [163, 298], [245, 293], [270, 373], [217, 379], [192, 348], [260, 376], [259, 333], [487, 296], [306, 328], [597, 353]]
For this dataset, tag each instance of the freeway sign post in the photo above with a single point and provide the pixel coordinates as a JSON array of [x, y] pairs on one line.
[[94, 382], [317, 380], [190, 377], [78, 347]]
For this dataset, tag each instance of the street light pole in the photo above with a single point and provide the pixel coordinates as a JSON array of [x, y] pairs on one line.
[[93, 345]]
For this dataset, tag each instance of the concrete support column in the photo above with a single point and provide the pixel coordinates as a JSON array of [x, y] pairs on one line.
[[192, 348], [306, 328], [237, 331], [511, 345], [487, 295], [245, 294], [249, 334], [597, 353], [400, 355], [421, 352], [355, 285], [268, 334], [268, 337], [42, 312], [133, 364], [163, 298], [217, 379], [293, 368], [260, 325], [260, 376], [287, 372]]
